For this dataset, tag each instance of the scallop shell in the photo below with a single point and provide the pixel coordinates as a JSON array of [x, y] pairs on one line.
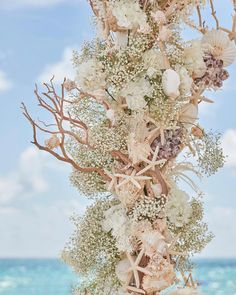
[[171, 83], [121, 270], [217, 43], [188, 114]]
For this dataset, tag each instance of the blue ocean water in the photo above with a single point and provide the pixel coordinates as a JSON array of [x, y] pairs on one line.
[[51, 277]]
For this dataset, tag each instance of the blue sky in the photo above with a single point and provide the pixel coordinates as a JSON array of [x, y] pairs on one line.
[[36, 198]]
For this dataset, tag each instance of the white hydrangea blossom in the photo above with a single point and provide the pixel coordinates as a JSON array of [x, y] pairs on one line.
[[193, 57], [178, 208], [134, 93], [185, 80], [129, 15], [118, 223], [90, 76], [153, 61]]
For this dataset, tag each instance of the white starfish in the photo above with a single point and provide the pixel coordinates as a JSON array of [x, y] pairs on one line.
[[133, 178], [151, 163], [134, 270], [170, 250]]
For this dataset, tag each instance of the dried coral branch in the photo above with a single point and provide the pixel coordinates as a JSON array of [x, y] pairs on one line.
[[56, 109], [213, 13]]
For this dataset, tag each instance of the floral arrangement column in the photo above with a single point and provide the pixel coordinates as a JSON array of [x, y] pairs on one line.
[[122, 124]]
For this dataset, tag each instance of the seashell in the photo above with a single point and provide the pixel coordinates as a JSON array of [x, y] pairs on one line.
[[171, 83], [217, 43], [186, 291], [121, 40], [53, 142], [69, 85], [111, 116], [153, 241], [122, 270], [157, 189], [164, 34], [188, 114], [197, 132], [159, 17]]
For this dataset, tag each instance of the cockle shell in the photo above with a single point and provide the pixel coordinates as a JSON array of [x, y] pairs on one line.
[[171, 83], [217, 43], [53, 142], [188, 114]]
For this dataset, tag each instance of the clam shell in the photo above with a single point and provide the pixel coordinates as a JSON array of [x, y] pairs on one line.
[[121, 270], [188, 114], [171, 83], [220, 46]]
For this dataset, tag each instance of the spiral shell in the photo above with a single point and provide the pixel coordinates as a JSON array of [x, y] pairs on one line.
[[171, 83], [217, 43]]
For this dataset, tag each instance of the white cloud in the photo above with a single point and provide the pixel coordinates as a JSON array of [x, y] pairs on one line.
[[221, 221], [38, 230], [60, 70], [5, 84], [10, 4], [229, 146], [27, 179]]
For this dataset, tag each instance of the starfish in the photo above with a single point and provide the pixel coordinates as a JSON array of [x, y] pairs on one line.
[[170, 250], [113, 181], [160, 129], [134, 271], [151, 163], [133, 178]]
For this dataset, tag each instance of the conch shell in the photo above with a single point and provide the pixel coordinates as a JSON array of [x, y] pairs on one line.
[[171, 83], [217, 43]]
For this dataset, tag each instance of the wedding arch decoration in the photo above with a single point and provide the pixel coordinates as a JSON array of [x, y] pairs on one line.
[[128, 126]]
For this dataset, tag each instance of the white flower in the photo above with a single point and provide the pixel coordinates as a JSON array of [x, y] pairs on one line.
[[90, 76], [193, 59], [178, 209], [128, 14], [185, 80], [171, 83], [185, 291], [119, 224], [153, 61], [134, 93]]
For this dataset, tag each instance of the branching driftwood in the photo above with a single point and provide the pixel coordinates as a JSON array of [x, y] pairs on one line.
[[55, 106]]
